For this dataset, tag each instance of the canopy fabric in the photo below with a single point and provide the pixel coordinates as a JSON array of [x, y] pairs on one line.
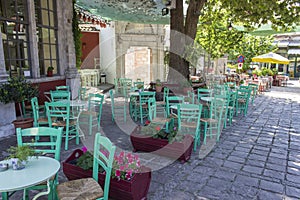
[[271, 58], [141, 11]]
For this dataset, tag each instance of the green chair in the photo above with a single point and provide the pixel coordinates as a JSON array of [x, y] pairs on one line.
[[37, 120], [59, 116], [164, 123], [161, 105], [242, 100], [141, 107], [191, 97], [94, 111], [138, 85], [26, 109], [58, 95], [189, 116], [231, 107], [118, 108], [253, 92], [214, 120], [49, 144], [88, 188], [203, 92], [82, 93], [173, 101], [63, 88]]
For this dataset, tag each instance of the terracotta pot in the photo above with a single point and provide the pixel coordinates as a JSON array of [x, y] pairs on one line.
[[136, 188], [177, 150], [49, 73], [23, 123]]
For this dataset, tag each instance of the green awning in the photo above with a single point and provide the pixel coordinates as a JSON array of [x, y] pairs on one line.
[[141, 11], [265, 30]]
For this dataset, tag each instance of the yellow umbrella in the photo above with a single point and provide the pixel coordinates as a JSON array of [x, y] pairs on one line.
[[271, 58]]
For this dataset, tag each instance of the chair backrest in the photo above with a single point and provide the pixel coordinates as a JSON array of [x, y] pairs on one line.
[[173, 100], [95, 102], [151, 108], [44, 140], [191, 97], [145, 96], [216, 108], [60, 95], [35, 111], [58, 111], [63, 88], [104, 152], [189, 113], [81, 93], [166, 93], [202, 92], [138, 85]]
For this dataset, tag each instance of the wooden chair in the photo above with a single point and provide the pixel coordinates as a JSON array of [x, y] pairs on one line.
[[63, 88], [140, 108], [59, 116], [189, 116], [214, 120], [242, 100], [118, 108], [165, 123], [58, 95], [89, 187], [49, 144], [161, 105], [94, 111], [37, 120]]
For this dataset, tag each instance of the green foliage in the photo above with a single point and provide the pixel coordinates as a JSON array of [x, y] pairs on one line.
[[77, 37], [50, 68], [85, 161], [155, 131], [275, 71], [17, 89], [21, 152]]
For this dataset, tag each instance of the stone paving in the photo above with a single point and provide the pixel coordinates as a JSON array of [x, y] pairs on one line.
[[258, 157]]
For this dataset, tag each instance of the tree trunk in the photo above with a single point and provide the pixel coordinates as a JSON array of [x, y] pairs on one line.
[[182, 34]]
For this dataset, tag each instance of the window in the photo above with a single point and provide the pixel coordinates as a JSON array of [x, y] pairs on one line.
[[14, 24], [47, 34]]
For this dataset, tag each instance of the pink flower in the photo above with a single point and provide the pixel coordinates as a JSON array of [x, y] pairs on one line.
[[157, 128], [118, 173], [122, 168], [84, 149], [122, 154], [147, 122]]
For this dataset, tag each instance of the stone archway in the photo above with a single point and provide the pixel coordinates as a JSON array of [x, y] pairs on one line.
[[133, 39]]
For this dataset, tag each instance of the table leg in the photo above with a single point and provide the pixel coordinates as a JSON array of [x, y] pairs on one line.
[[42, 193]]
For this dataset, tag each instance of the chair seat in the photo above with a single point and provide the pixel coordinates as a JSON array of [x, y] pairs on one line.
[[242, 100], [189, 124], [80, 189], [161, 120], [63, 123], [92, 113], [41, 120], [160, 103], [209, 120]]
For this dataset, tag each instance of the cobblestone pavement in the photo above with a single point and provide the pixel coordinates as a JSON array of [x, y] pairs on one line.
[[258, 157]]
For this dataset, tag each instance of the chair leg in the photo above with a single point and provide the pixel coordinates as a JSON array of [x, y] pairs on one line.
[[5, 195], [205, 131]]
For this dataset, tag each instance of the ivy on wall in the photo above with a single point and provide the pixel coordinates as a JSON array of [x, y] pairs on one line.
[[77, 36]]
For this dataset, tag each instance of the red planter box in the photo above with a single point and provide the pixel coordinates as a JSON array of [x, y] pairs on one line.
[[177, 150], [136, 189]]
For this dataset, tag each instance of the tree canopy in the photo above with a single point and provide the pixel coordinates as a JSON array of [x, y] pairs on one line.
[[250, 13]]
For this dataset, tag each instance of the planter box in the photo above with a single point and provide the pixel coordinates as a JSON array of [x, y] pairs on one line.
[[177, 150], [136, 189]]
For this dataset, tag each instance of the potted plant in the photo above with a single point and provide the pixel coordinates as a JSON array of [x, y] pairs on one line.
[[158, 85], [152, 138], [50, 71], [18, 90], [129, 180], [19, 156]]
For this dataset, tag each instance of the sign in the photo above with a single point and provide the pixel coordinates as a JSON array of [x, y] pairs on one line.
[[240, 65], [241, 59]]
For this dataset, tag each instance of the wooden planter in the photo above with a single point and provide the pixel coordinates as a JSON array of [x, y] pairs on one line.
[[136, 188], [177, 150], [23, 123]]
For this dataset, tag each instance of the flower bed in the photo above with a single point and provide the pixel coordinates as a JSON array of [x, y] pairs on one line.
[[136, 188], [180, 150]]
